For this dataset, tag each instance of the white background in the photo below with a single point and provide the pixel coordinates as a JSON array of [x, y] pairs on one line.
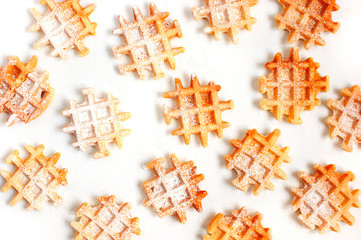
[[235, 68]]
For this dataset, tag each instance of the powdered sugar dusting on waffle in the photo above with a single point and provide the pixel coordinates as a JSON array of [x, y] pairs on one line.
[[174, 190], [346, 119], [65, 25], [198, 110], [147, 42], [36, 178], [325, 199], [239, 225], [257, 159], [292, 86], [96, 122], [226, 16], [107, 220], [25, 94]]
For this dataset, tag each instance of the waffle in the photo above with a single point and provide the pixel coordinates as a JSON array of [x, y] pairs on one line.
[[35, 179], [147, 42], [292, 86], [65, 25], [174, 190], [24, 93], [346, 119], [307, 19], [96, 122], [198, 110], [325, 199], [108, 220], [257, 159], [239, 226], [226, 16]]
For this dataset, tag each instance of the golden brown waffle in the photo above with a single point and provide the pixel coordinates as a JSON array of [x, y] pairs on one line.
[[35, 179], [147, 42], [198, 110], [325, 199], [24, 94], [226, 16], [96, 122], [239, 226], [346, 119], [292, 86], [174, 190], [307, 19], [257, 159], [108, 220], [65, 25]]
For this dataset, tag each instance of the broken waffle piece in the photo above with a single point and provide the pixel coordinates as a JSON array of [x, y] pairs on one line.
[[226, 16], [174, 190], [307, 19], [65, 26], [238, 226], [107, 220], [96, 122], [24, 93], [148, 42], [35, 178], [346, 119], [257, 159], [198, 110], [325, 199], [292, 86]]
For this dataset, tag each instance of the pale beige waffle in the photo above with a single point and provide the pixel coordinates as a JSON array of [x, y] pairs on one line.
[[147, 42], [107, 220], [292, 86], [325, 199], [24, 94], [346, 119], [307, 19], [174, 190], [226, 16], [257, 159], [239, 226], [198, 110], [35, 178], [65, 26], [96, 122]]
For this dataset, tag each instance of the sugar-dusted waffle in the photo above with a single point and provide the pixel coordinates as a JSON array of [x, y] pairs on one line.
[[226, 16], [292, 86], [96, 122], [35, 178], [148, 42], [257, 159], [174, 190], [198, 110], [325, 199]]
